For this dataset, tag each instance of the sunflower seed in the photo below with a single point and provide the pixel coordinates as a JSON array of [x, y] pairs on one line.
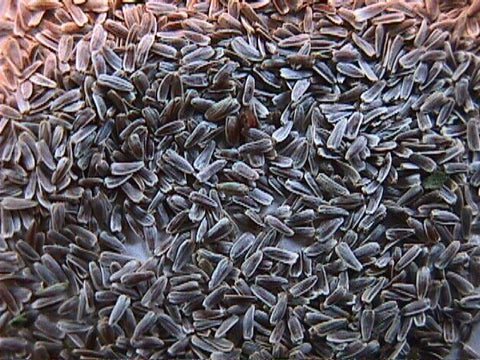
[[115, 82], [346, 254]]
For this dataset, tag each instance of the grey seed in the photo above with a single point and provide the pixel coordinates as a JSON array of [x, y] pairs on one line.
[[416, 307], [408, 257], [329, 228], [121, 305], [433, 102], [447, 255], [279, 309], [290, 74], [327, 327], [178, 161], [337, 134], [194, 80], [170, 128], [256, 147], [277, 332], [299, 89], [245, 171], [322, 285], [296, 329], [245, 50], [368, 249], [145, 324], [281, 255], [324, 71], [197, 135], [374, 91], [410, 59], [66, 98], [248, 90], [281, 134], [473, 137], [264, 295], [357, 347], [278, 225], [330, 186], [10, 203], [82, 56], [270, 281], [220, 230], [220, 110], [207, 172], [367, 322], [363, 45], [226, 325], [10, 301], [13, 344], [343, 336], [214, 297], [261, 197], [294, 41], [463, 286], [223, 269], [369, 11], [470, 302], [250, 265], [43, 303], [372, 76], [303, 286], [423, 281], [248, 323], [405, 329], [331, 211], [241, 245], [204, 158], [350, 70], [126, 168], [202, 199], [372, 292], [183, 255], [174, 329], [115, 82], [40, 80], [346, 254], [423, 162], [393, 329], [304, 114]]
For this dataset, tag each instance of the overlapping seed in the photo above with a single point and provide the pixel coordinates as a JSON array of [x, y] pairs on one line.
[[239, 179]]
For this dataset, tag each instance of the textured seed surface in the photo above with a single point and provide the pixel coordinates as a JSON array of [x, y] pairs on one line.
[[235, 179]]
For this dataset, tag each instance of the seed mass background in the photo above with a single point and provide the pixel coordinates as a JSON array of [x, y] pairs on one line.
[[243, 179]]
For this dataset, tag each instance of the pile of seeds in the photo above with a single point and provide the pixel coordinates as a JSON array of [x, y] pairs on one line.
[[226, 180]]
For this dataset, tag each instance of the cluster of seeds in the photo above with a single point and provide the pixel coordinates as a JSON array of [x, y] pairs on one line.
[[236, 179]]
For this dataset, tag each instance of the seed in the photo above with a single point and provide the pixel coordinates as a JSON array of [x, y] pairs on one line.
[[222, 270], [281, 255], [408, 257], [126, 168], [115, 82], [329, 326], [207, 172], [337, 134], [248, 323], [345, 253], [303, 286], [226, 326], [121, 305], [177, 174], [251, 264], [416, 307], [447, 255]]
